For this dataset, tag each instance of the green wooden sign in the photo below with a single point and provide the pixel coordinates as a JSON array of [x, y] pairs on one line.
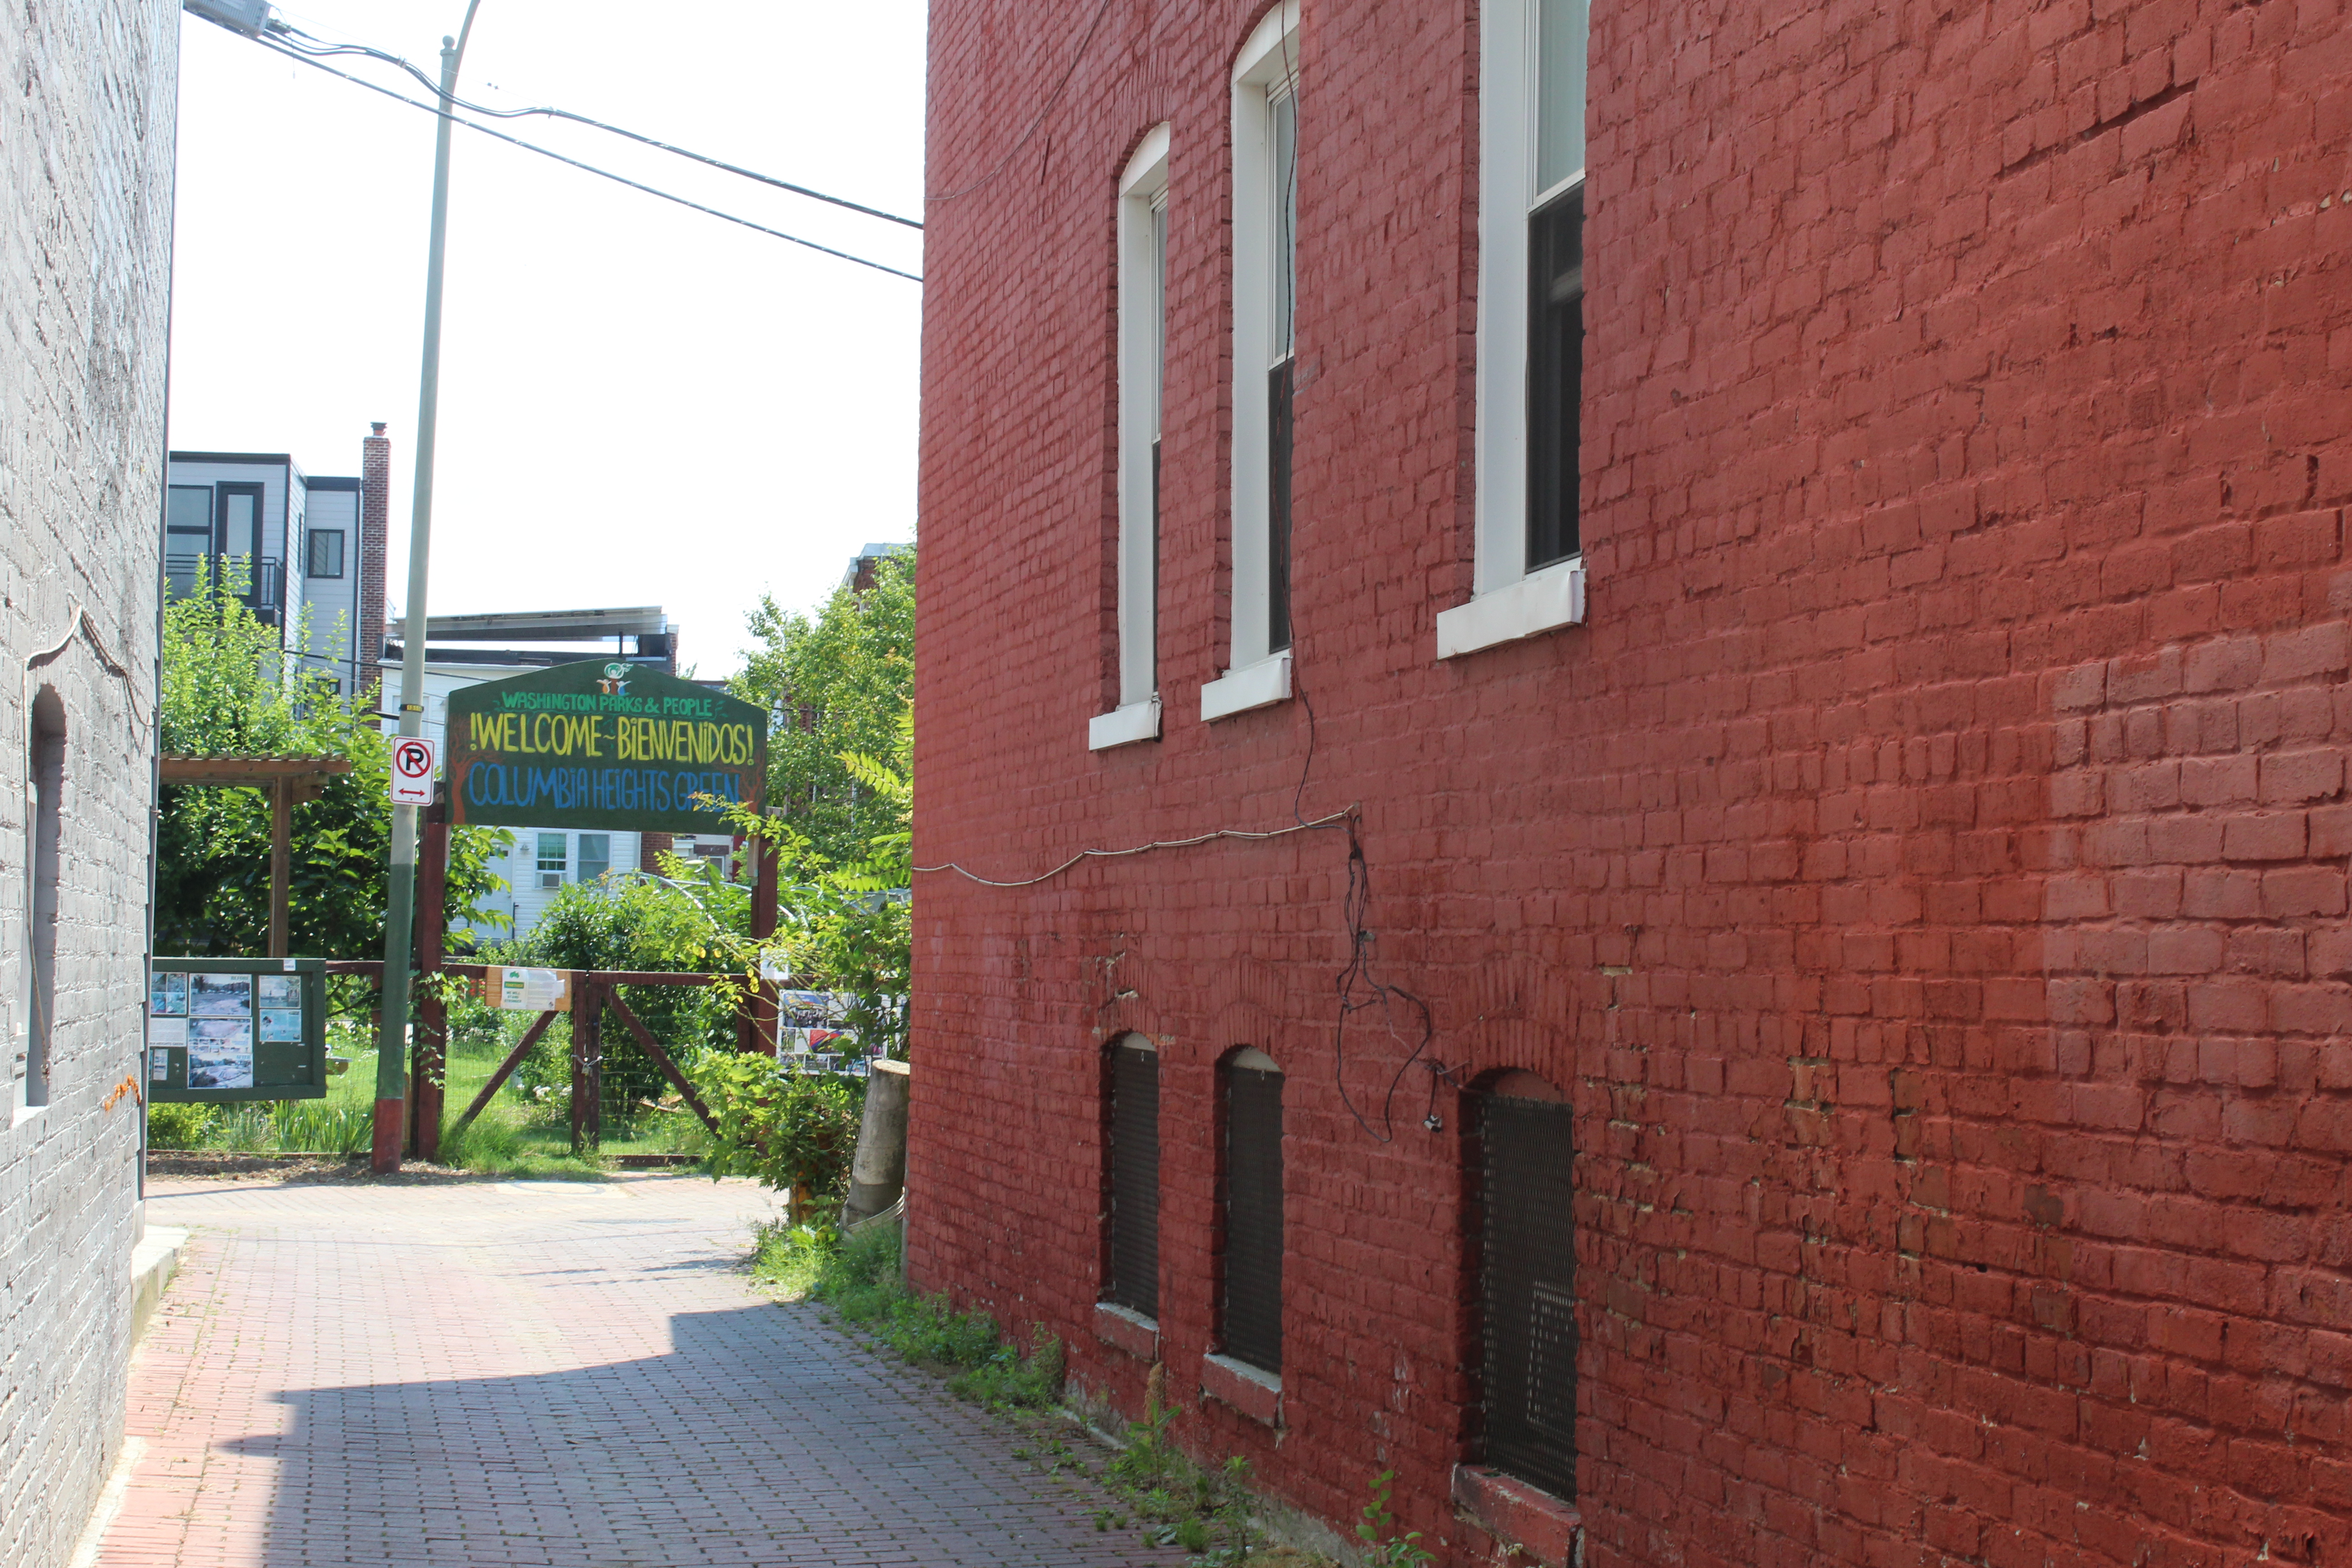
[[602, 745], [236, 1028]]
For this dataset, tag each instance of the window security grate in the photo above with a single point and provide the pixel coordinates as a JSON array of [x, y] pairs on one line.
[[1134, 1180], [1528, 1290], [1253, 1293]]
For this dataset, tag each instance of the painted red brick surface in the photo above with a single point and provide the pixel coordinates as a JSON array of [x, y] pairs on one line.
[[1925, 871]]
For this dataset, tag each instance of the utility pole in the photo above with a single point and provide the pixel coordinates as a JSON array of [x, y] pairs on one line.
[[400, 903]]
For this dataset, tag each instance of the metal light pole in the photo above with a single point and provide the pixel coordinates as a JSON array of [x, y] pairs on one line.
[[400, 903]]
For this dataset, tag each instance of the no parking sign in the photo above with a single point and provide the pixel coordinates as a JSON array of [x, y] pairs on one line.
[[414, 760]]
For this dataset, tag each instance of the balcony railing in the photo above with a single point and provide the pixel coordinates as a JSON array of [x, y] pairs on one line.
[[265, 585]]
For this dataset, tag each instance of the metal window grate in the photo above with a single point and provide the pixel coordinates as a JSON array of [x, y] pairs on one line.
[[1135, 1179], [1527, 1290], [1252, 1210]]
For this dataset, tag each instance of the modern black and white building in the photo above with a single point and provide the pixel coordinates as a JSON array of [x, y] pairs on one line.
[[300, 545]]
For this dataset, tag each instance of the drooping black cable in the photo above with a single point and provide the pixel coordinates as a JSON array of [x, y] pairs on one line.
[[1358, 967], [285, 34], [590, 168]]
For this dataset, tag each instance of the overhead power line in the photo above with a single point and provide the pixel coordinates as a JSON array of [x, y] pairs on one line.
[[434, 109], [296, 38]]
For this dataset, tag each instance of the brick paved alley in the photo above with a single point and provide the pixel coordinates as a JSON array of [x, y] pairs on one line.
[[548, 1373]]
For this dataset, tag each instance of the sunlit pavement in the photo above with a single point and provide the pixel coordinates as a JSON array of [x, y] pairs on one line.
[[541, 1372]]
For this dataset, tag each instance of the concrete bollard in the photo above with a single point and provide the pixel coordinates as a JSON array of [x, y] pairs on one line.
[[877, 1173]]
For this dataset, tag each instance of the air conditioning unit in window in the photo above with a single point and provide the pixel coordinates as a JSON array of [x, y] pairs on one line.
[[551, 879]]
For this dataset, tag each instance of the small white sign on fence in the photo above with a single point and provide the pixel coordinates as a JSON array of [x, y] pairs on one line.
[[516, 990]]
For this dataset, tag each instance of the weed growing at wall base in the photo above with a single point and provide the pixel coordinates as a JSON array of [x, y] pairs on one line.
[[1154, 1486]]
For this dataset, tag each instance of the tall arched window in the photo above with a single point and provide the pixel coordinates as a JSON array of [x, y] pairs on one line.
[[44, 774], [1132, 1280], [1524, 1164], [1250, 1314]]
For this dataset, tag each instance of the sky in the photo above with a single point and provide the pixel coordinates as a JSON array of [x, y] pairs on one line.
[[639, 404]]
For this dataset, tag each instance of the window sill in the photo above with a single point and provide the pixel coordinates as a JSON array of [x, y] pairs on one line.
[[1259, 684], [1255, 1393], [1124, 1328], [1540, 1527], [1539, 602], [1124, 725]]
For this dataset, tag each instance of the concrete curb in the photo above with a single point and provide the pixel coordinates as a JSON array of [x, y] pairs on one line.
[[152, 1263]]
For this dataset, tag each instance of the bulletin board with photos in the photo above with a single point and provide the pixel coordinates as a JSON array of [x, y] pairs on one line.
[[225, 1029]]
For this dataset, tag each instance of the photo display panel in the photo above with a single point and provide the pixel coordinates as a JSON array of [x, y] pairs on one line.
[[223, 1029]]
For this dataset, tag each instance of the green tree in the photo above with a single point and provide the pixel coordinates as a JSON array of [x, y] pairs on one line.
[[228, 688], [835, 684]]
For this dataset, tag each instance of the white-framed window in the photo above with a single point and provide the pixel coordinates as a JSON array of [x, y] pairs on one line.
[[1265, 276], [1142, 373], [1529, 573], [553, 859]]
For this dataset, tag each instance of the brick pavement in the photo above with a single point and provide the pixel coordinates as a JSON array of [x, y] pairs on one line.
[[542, 1374]]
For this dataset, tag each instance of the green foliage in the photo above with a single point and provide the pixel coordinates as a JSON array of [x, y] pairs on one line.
[[1175, 1501], [1180, 1503], [263, 1127], [791, 1129], [849, 926], [229, 686], [1383, 1548], [858, 1278], [177, 1126], [623, 922], [787, 1258], [630, 922], [836, 683]]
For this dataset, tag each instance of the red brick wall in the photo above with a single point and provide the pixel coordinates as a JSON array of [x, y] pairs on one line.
[[1925, 869]]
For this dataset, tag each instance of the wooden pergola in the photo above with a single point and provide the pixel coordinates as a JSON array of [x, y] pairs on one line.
[[290, 781]]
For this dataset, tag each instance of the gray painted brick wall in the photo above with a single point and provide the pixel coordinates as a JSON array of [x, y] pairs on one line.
[[86, 157]]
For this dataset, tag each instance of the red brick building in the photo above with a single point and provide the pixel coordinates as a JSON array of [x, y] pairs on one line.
[[1849, 752]]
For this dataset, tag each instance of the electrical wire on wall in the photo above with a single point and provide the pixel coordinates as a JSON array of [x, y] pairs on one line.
[[1358, 988]]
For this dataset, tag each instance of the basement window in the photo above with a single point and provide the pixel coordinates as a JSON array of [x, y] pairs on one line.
[[1264, 303], [1528, 574], [1250, 1201], [1142, 360], [1524, 1167], [1133, 1278]]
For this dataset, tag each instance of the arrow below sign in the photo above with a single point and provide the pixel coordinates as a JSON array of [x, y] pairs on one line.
[[414, 760]]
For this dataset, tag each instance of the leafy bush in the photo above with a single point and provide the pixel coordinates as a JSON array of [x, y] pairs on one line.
[[793, 1131], [177, 1126], [629, 922]]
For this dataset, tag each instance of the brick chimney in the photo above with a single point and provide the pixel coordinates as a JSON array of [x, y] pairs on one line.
[[375, 515]]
